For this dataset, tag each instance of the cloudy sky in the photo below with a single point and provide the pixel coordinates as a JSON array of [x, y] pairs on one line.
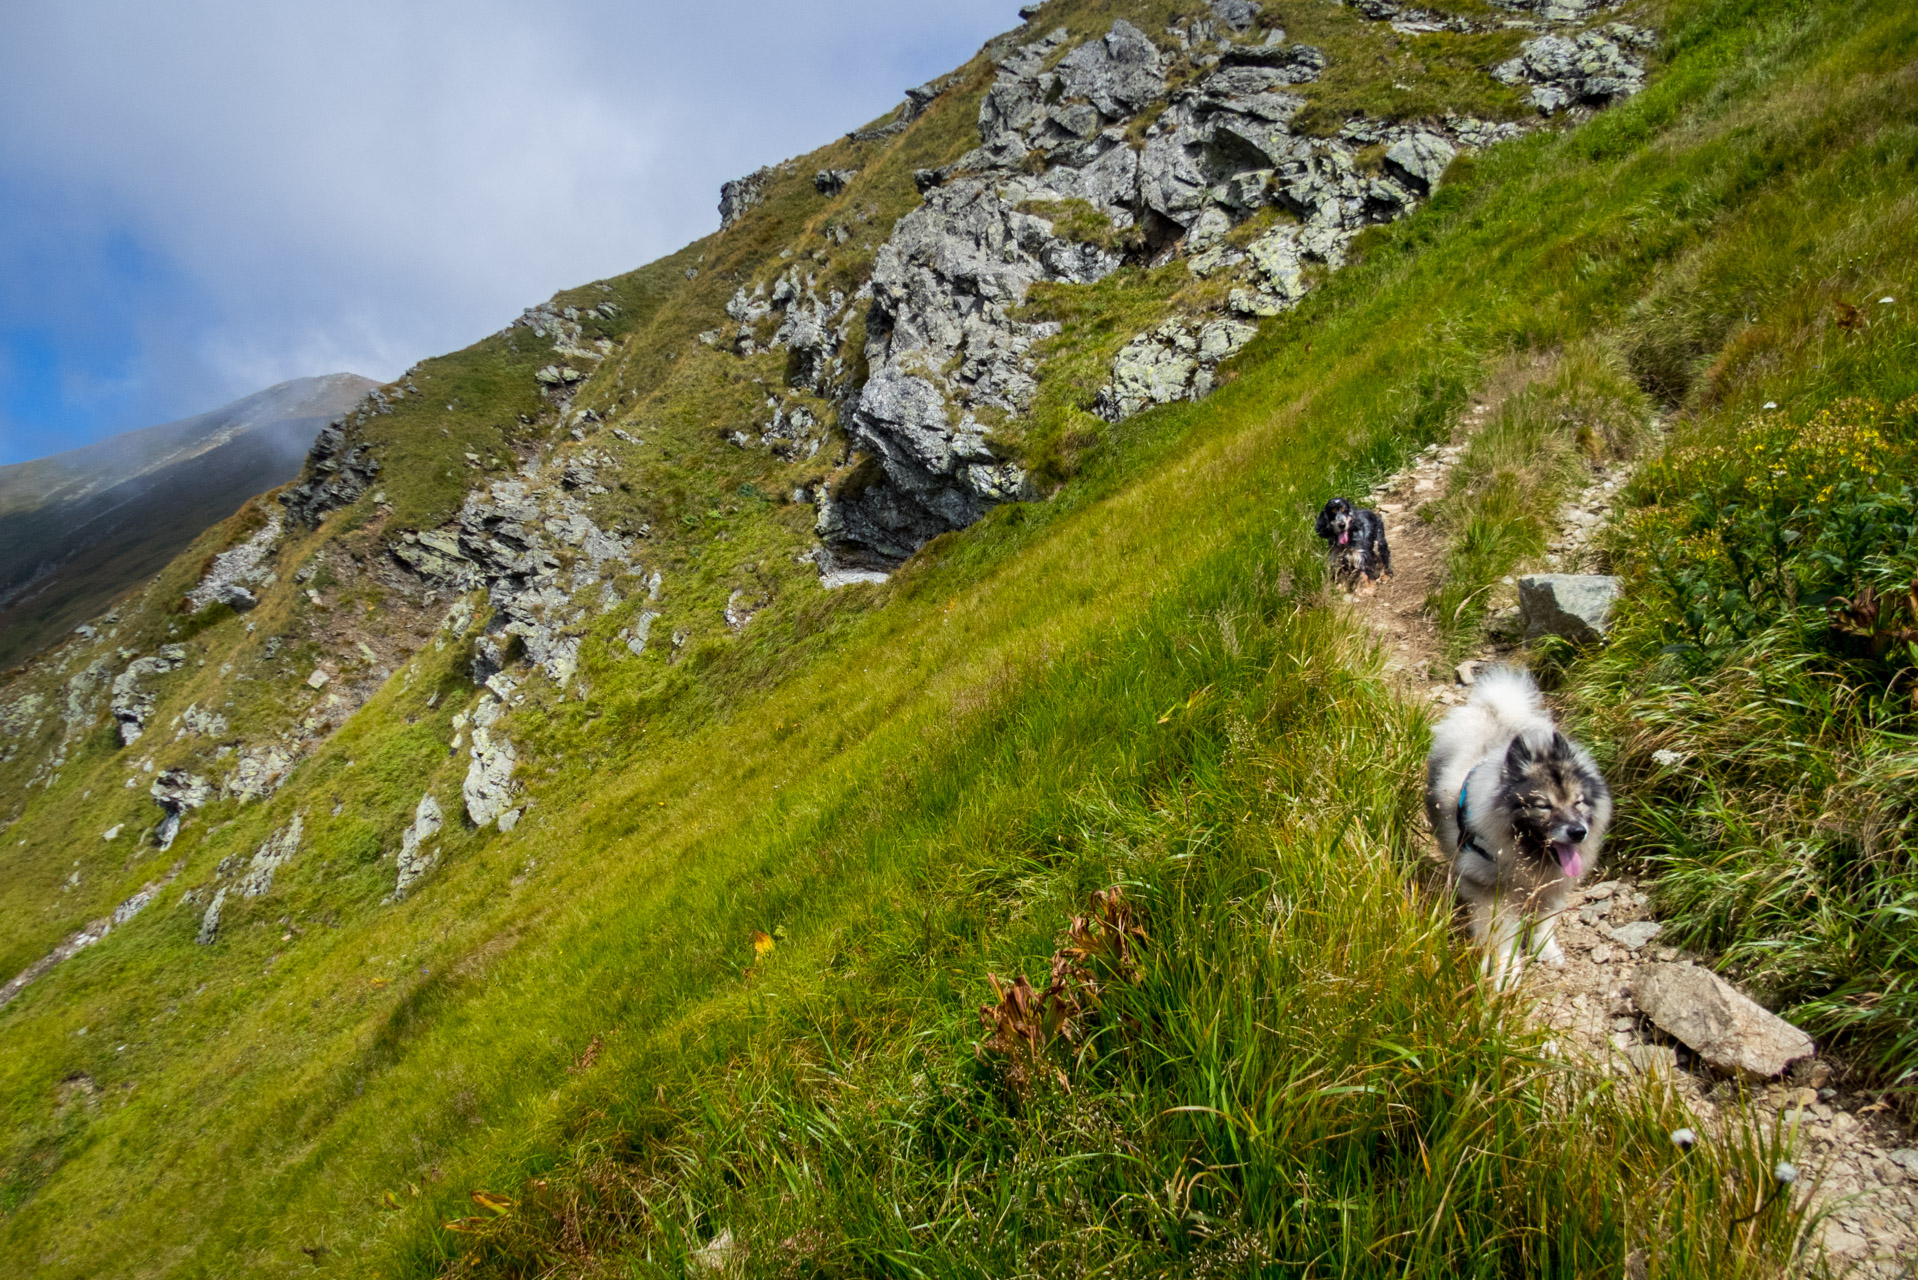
[[200, 198]]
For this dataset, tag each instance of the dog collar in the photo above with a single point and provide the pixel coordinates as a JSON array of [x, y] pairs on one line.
[[1466, 839]]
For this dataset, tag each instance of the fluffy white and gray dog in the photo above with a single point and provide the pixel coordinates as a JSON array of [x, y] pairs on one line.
[[1519, 810]]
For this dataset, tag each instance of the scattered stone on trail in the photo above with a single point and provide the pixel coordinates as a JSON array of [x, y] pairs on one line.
[[1699, 1009], [1576, 606], [1634, 936], [1467, 671]]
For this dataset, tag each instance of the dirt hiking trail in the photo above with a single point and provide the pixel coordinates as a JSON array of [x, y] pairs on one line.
[[1862, 1169]]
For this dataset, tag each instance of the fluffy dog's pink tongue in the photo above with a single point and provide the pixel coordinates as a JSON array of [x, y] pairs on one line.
[[1344, 538], [1569, 858]]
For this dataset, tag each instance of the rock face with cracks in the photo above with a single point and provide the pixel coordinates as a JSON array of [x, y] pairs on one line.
[[947, 356]]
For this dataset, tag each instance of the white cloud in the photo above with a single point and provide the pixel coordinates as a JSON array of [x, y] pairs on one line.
[[357, 184]]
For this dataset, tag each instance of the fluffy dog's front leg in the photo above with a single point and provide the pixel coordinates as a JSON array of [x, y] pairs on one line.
[[1501, 933], [1547, 936]]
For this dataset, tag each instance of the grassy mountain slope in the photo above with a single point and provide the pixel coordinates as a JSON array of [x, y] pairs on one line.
[[903, 787], [79, 528]]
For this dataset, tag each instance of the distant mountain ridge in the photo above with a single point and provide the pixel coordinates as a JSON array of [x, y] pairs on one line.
[[79, 527]]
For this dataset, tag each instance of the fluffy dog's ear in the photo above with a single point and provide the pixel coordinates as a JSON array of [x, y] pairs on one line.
[[1562, 747], [1518, 757], [1324, 525]]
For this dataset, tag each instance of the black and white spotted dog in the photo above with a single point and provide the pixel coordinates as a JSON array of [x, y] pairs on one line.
[[1356, 538]]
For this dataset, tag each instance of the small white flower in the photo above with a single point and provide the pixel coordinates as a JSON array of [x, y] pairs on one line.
[[1684, 1139], [1771, 404], [1667, 757], [1786, 1172], [1886, 301]]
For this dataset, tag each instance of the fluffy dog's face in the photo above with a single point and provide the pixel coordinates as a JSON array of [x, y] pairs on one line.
[[1336, 521], [1557, 803]]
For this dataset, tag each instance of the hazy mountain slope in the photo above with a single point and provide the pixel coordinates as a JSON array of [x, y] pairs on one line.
[[548, 833], [78, 528]]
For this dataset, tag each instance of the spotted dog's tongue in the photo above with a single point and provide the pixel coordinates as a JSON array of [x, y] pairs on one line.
[[1344, 538], [1569, 858]]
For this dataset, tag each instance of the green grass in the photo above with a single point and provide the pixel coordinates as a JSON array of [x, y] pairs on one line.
[[911, 788], [1552, 416]]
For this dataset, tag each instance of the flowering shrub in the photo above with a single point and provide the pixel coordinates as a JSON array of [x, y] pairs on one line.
[[1818, 520]]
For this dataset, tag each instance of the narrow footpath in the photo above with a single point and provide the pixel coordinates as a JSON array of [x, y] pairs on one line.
[[1863, 1170]]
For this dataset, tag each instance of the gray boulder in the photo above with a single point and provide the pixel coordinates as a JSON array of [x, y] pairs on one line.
[[210, 922], [1419, 160], [270, 857], [741, 195], [830, 182], [1577, 606], [1700, 1010], [1239, 15], [415, 860], [1588, 69], [1119, 74]]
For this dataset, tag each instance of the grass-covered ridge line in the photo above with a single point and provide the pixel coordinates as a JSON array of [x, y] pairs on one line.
[[1132, 682]]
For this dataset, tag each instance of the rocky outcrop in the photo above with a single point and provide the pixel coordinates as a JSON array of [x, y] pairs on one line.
[[514, 539], [233, 571], [1574, 606], [270, 857], [1706, 1014], [210, 922], [337, 473], [131, 704], [488, 790], [177, 792], [740, 196], [1172, 362], [1590, 68], [942, 348], [415, 859], [81, 939], [830, 182]]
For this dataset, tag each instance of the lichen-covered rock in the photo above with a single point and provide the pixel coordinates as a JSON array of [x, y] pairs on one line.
[[131, 704], [415, 859], [488, 789], [1590, 68], [177, 792], [258, 772], [337, 473], [1170, 363], [210, 922], [270, 857], [1419, 160]]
